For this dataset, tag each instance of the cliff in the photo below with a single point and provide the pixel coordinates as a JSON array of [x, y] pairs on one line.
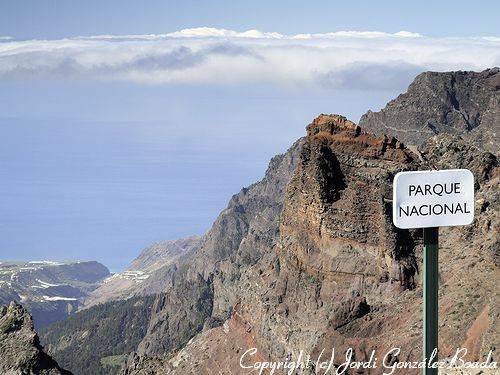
[[334, 271]]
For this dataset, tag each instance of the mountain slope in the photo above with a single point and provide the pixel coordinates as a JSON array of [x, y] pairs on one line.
[[459, 103], [345, 276], [241, 234], [97, 340], [340, 275], [147, 274], [21, 352]]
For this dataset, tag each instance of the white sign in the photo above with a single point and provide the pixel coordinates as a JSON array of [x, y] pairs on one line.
[[427, 199]]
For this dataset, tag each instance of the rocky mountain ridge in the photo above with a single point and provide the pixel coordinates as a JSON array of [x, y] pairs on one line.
[[329, 282], [21, 352], [335, 272], [458, 103]]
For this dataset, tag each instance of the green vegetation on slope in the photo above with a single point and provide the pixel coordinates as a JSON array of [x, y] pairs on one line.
[[113, 329], [113, 362]]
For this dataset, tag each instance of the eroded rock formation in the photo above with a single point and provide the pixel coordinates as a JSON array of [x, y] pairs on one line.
[[20, 349]]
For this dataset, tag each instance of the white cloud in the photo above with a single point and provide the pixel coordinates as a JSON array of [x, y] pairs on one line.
[[213, 32], [356, 59]]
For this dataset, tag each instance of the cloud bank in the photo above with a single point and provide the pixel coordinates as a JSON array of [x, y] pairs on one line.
[[344, 59]]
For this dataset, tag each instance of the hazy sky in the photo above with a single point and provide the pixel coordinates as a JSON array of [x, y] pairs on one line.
[[57, 19], [123, 124]]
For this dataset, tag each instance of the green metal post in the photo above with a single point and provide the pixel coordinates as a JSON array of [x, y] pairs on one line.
[[430, 287]]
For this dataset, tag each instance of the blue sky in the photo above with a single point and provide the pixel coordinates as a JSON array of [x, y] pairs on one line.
[[56, 19], [124, 124]]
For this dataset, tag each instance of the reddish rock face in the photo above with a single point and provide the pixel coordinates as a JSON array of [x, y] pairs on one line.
[[338, 258], [332, 124], [346, 137], [335, 223], [342, 276]]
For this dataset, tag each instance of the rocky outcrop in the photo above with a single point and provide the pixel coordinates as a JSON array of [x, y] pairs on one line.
[[21, 352], [335, 218], [458, 103], [339, 261]]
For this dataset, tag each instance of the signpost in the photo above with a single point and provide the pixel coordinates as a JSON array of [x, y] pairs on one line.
[[429, 200]]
